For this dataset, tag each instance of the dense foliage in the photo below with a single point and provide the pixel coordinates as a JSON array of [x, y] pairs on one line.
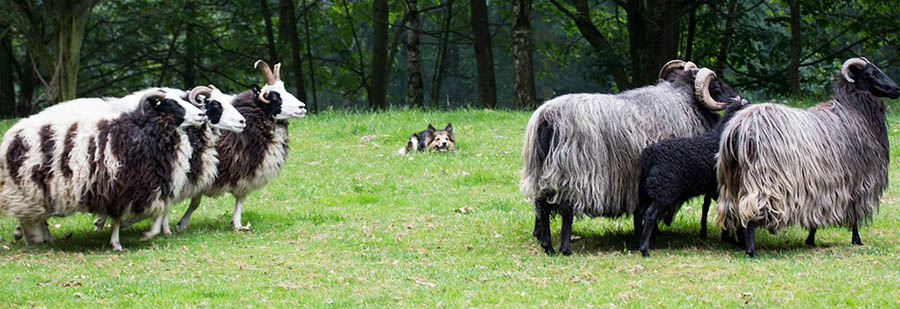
[[578, 46]]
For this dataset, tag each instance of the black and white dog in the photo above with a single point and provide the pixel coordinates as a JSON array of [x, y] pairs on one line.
[[431, 139]]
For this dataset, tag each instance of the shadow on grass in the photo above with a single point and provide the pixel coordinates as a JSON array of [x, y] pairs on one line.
[[686, 241]]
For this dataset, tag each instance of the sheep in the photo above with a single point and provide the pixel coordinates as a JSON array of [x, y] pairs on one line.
[[581, 150], [204, 159], [121, 165], [677, 169], [825, 165], [249, 160]]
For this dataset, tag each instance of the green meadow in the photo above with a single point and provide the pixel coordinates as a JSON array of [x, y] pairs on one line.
[[350, 223]]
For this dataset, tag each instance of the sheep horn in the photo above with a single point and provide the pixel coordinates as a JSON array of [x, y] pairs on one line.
[[277, 71], [212, 87], [199, 90], [701, 89], [262, 95], [689, 65], [154, 94], [845, 69], [671, 65], [267, 73]]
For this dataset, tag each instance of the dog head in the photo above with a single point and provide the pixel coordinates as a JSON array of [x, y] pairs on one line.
[[440, 140]]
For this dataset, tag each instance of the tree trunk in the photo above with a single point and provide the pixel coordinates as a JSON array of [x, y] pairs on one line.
[[523, 68], [314, 107], [7, 88], [71, 37], [796, 47], [379, 54], [270, 33], [416, 95], [189, 74], [287, 36], [484, 56], [60, 55], [653, 31], [722, 59], [437, 79], [27, 84], [692, 30]]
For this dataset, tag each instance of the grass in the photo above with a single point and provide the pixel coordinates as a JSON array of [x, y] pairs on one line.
[[348, 223]]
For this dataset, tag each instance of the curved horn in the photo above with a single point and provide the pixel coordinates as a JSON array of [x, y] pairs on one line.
[[689, 65], [277, 71], [262, 95], [267, 73], [192, 96], [671, 65], [212, 87], [154, 94], [701, 89], [845, 69]]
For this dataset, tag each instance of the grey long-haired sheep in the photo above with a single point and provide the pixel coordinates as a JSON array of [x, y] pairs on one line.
[[120, 165], [581, 150], [826, 165], [677, 169], [250, 159]]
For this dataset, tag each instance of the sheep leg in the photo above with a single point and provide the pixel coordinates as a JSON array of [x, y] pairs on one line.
[[537, 228], [856, 240], [186, 218], [114, 238], [545, 230], [748, 239], [638, 226], [32, 231], [650, 217], [565, 234], [236, 218], [706, 201], [18, 233], [154, 228], [811, 239], [99, 223], [45, 230], [538, 204], [164, 225]]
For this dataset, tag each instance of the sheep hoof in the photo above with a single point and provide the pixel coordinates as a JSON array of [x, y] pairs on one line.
[[550, 251], [148, 236], [239, 227], [565, 252], [116, 247], [645, 253], [180, 227], [857, 242], [751, 254]]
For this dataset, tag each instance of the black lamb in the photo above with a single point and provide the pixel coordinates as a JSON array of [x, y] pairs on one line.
[[677, 169]]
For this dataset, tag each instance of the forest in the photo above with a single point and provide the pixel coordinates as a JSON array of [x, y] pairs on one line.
[[431, 54]]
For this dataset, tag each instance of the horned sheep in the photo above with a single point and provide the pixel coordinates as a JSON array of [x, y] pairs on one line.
[[120, 165], [827, 165], [581, 150]]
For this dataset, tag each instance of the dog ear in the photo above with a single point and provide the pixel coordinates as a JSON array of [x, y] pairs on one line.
[[431, 128], [449, 128]]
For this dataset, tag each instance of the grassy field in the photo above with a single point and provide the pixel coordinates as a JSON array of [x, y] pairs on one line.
[[349, 223]]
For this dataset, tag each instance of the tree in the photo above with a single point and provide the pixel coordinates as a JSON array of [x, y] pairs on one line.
[[379, 55], [63, 22], [7, 86], [416, 95], [484, 56], [796, 47], [189, 74], [722, 59], [523, 68], [289, 40], [437, 79], [314, 107]]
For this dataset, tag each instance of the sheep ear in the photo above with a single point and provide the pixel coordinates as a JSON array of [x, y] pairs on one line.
[[255, 88], [449, 128], [431, 128]]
